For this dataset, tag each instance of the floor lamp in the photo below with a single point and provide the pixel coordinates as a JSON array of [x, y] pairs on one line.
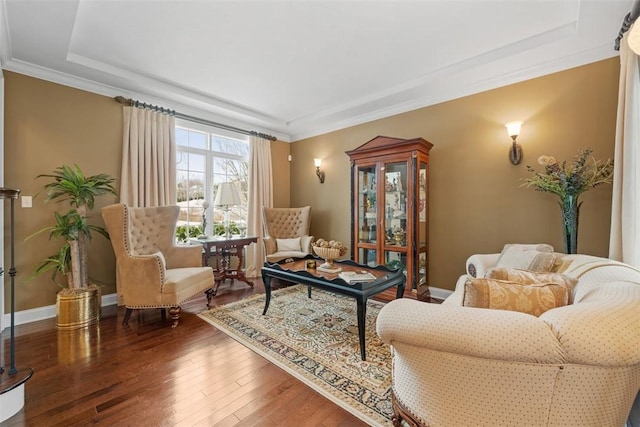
[[12, 381], [227, 196]]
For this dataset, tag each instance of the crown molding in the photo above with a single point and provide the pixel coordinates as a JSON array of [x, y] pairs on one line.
[[88, 85], [455, 89]]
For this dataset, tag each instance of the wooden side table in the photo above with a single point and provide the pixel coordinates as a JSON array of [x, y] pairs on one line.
[[221, 250]]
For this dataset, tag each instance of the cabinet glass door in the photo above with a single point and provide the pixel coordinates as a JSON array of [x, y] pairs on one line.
[[367, 257], [367, 205], [395, 215], [422, 224]]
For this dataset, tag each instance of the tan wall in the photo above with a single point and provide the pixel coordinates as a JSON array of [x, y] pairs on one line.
[[48, 125], [476, 203]]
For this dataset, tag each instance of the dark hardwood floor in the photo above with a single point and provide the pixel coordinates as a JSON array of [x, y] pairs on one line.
[[148, 374]]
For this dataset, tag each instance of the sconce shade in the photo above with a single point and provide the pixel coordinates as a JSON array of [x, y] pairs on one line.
[[513, 128], [227, 195], [515, 153], [319, 173]]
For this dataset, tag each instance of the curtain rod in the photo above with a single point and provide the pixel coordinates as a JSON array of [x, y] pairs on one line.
[[628, 21], [134, 103]]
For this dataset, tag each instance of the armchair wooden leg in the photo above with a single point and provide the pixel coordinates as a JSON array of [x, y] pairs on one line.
[[127, 315], [174, 312]]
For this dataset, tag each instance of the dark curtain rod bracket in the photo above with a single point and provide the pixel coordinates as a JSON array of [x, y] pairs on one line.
[[137, 104]]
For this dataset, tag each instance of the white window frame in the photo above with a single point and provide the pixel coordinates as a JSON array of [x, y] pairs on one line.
[[210, 155]]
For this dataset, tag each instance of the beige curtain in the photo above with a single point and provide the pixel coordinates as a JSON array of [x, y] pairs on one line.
[[624, 242], [260, 194], [148, 175]]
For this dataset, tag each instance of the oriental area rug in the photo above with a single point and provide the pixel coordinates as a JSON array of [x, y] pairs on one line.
[[316, 340]]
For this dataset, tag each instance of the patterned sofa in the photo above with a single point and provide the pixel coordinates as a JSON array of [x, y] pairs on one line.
[[574, 365]]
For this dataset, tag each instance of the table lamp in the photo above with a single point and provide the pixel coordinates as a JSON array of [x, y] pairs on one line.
[[227, 196]]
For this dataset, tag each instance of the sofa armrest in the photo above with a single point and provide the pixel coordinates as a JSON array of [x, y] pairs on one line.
[[607, 319], [457, 297], [182, 256], [475, 332], [478, 264]]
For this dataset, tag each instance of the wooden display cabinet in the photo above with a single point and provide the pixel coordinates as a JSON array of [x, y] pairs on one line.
[[389, 225]]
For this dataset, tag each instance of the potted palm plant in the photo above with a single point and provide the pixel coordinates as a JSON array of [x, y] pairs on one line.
[[77, 304]]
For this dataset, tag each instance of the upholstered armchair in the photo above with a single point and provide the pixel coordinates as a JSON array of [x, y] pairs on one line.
[[286, 232], [151, 270]]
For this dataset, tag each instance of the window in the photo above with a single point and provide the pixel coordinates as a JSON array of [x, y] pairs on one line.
[[206, 157]]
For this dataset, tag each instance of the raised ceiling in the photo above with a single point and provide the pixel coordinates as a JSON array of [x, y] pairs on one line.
[[301, 68]]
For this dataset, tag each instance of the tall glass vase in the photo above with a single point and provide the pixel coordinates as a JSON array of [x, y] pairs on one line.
[[570, 210]]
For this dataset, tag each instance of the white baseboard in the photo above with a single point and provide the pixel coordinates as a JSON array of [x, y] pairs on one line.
[[440, 293], [47, 312]]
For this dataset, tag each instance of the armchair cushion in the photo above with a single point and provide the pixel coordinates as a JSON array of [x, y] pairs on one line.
[[534, 298], [537, 257], [284, 245]]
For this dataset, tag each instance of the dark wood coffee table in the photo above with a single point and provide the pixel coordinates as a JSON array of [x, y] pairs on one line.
[[296, 271]]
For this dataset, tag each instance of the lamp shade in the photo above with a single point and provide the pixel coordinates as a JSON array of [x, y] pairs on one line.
[[227, 195], [513, 128]]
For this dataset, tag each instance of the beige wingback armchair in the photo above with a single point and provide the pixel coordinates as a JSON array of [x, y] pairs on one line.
[[286, 232], [151, 270]]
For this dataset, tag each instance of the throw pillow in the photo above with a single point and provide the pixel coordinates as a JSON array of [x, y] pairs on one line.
[[534, 299], [285, 245], [538, 257], [529, 277]]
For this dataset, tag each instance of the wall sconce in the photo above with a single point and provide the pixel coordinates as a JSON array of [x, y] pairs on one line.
[[515, 154], [318, 163]]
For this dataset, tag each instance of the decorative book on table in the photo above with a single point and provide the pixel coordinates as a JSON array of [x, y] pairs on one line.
[[356, 276]]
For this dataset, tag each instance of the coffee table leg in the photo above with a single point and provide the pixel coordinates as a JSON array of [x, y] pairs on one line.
[[362, 313], [267, 291], [400, 291]]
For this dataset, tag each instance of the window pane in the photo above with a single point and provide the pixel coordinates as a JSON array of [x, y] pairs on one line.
[[229, 146], [182, 137], [199, 172], [183, 185], [197, 162], [182, 160], [191, 138], [196, 185], [197, 140]]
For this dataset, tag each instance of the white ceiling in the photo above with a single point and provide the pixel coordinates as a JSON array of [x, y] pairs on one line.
[[297, 68]]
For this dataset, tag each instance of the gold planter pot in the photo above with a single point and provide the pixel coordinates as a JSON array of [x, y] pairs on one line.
[[79, 307]]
